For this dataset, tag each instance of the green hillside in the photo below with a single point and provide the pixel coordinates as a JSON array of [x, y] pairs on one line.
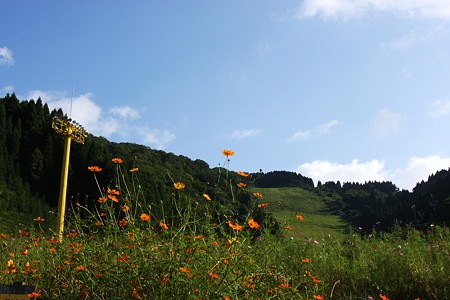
[[287, 202]]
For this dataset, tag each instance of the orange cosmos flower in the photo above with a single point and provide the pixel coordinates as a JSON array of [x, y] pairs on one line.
[[213, 275], [241, 185], [253, 224], [243, 174], [98, 224], [3, 236], [179, 185], [227, 152], [299, 217], [34, 295], [95, 169], [134, 170], [184, 270], [284, 285], [288, 227], [81, 268], [102, 199], [263, 205], [123, 223], [234, 226], [225, 297], [318, 297], [117, 160], [113, 192], [306, 260], [39, 219], [145, 217], [206, 196], [256, 194], [125, 208], [163, 225], [113, 198], [382, 297]]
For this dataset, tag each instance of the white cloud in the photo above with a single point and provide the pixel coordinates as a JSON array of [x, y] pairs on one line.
[[317, 132], [155, 137], [8, 89], [345, 9], [387, 123], [246, 133], [6, 57], [91, 116], [439, 108], [124, 112], [352, 172], [299, 135], [416, 170]]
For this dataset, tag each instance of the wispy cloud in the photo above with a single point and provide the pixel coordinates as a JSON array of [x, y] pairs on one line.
[[6, 57], [263, 49], [116, 123], [347, 9], [416, 170], [7, 89], [439, 108], [318, 131], [387, 123], [246, 133], [124, 112], [415, 37]]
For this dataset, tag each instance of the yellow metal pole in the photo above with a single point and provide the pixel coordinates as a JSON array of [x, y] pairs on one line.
[[63, 189]]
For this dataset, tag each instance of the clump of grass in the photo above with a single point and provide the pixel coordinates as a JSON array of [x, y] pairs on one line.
[[208, 247]]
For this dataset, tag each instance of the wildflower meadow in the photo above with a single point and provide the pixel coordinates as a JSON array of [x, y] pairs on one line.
[[222, 244]]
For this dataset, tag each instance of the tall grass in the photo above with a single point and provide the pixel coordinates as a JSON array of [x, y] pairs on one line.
[[124, 247]]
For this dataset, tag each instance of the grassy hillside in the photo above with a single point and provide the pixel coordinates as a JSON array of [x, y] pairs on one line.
[[287, 202]]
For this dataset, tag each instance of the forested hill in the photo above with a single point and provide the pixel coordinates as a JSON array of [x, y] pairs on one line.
[[30, 166]]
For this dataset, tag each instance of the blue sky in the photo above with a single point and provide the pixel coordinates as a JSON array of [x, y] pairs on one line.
[[348, 90]]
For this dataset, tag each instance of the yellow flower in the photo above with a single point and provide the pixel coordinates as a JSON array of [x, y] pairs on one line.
[[256, 194], [241, 185], [227, 152], [117, 160], [179, 185], [206, 196], [134, 170]]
